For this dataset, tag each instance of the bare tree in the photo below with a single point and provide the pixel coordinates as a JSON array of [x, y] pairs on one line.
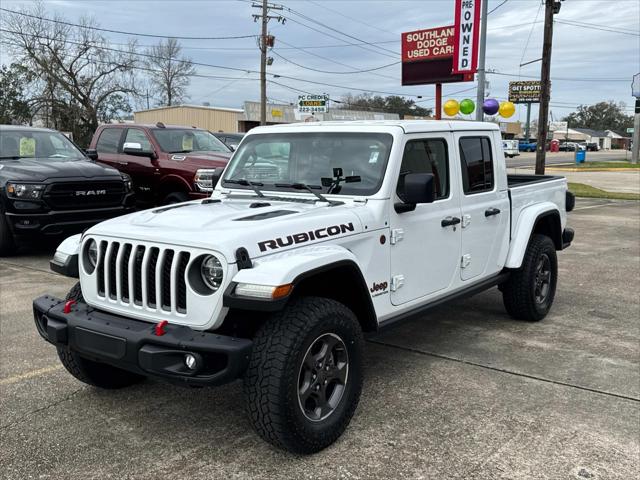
[[169, 74], [79, 76]]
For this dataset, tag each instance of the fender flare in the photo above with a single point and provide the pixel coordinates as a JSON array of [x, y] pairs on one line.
[[65, 260], [527, 221], [169, 180], [295, 267]]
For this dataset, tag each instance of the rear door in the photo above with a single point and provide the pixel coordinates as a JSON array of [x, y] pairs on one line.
[[484, 204], [425, 252], [108, 146]]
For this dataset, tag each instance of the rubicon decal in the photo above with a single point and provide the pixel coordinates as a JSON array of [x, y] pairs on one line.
[[302, 237]]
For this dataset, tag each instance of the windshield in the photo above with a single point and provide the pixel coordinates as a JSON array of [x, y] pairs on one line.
[[280, 160], [45, 146], [174, 140]]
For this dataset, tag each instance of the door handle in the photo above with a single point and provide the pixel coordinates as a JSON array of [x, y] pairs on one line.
[[491, 211], [449, 221]]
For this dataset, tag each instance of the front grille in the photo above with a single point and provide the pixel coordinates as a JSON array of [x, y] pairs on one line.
[[70, 195], [150, 277]]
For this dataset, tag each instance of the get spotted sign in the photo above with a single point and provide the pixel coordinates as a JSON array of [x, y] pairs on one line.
[[467, 33]]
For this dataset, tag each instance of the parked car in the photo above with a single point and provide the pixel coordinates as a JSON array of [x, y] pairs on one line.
[[231, 140], [49, 188], [571, 146], [168, 164], [511, 148], [525, 146], [274, 280], [592, 146]]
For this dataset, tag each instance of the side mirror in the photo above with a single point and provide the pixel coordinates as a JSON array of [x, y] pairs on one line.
[[92, 153], [418, 188], [135, 149]]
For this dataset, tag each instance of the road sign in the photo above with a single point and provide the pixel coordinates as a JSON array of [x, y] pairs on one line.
[[429, 44], [630, 130], [467, 32], [635, 86], [313, 103], [525, 92]]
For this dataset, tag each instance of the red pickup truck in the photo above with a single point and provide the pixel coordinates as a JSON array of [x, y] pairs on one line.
[[167, 163]]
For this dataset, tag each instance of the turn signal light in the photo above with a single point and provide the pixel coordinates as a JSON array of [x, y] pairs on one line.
[[267, 292]]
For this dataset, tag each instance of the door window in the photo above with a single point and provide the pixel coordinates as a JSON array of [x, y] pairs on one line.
[[109, 140], [477, 164], [426, 156], [138, 136]]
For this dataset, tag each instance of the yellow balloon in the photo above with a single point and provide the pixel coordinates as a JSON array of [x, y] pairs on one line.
[[507, 109], [451, 107]]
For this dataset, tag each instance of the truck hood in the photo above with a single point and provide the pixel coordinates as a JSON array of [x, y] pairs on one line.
[[203, 159], [262, 226], [39, 170]]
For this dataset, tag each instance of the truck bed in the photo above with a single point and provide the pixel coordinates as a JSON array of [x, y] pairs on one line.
[[518, 180], [526, 190]]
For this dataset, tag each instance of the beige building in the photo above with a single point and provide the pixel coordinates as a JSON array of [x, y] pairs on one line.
[[214, 119]]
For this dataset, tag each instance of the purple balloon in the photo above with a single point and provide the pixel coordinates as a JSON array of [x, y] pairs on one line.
[[490, 106]]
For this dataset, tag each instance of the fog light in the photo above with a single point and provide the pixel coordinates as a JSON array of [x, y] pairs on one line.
[[190, 361]]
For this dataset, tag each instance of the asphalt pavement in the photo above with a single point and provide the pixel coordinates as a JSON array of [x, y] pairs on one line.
[[464, 392]]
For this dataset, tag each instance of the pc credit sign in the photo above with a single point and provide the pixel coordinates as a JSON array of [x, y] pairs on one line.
[[443, 54]]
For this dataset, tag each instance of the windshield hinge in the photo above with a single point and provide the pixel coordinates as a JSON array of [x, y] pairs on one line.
[[397, 234]]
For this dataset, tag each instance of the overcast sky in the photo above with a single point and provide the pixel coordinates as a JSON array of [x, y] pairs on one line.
[[581, 56]]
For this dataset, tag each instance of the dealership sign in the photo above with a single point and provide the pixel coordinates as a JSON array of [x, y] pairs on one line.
[[525, 92], [313, 103], [467, 33], [429, 44]]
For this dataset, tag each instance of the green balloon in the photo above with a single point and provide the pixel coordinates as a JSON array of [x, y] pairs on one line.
[[467, 106]]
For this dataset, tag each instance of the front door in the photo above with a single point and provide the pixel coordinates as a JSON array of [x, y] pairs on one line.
[[425, 243], [143, 170], [485, 206]]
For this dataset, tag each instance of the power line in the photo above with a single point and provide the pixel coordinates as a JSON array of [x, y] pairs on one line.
[[334, 72], [496, 8], [561, 78], [62, 22], [601, 28], [526, 45], [353, 19]]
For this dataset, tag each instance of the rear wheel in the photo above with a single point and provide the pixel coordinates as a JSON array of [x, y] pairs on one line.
[[7, 243], [88, 371], [304, 378], [529, 292]]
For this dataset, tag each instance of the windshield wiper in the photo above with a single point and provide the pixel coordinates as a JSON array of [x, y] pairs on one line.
[[182, 151], [11, 157], [246, 183], [310, 189]]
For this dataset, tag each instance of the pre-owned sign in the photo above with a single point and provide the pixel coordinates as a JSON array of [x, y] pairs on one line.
[[525, 92], [429, 44], [467, 32], [313, 103]]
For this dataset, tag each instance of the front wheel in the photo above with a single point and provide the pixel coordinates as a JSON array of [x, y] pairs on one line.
[[304, 378], [529, 292]]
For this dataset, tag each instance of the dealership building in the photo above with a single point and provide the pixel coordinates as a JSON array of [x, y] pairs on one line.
[[218, 119]]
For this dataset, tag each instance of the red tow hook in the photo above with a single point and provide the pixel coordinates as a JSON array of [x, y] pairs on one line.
[[160, 328], [68, 305]]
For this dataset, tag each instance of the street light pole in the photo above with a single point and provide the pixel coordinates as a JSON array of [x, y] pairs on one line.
[[481, 62]]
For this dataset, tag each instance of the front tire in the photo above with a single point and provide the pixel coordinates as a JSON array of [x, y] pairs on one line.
[[93, 373], [529, 292], [305, 374], [175, 197]]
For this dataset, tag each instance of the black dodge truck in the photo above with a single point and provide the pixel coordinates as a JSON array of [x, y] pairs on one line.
[[49, 188]]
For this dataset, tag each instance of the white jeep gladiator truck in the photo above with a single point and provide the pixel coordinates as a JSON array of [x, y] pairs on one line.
[[316, 235]]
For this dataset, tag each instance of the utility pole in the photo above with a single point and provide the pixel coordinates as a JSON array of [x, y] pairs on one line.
[[481, 62], [265, 42], [550, 7]]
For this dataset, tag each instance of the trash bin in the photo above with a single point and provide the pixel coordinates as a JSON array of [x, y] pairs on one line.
[[581, 156]]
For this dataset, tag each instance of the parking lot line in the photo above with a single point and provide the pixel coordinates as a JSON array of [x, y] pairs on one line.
[[31, 374]]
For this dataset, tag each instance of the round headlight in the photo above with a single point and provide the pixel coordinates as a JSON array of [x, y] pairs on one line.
[[212, 272], [92, 253]]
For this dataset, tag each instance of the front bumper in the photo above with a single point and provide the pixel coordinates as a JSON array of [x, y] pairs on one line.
[[59, 223], [132, 345]]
